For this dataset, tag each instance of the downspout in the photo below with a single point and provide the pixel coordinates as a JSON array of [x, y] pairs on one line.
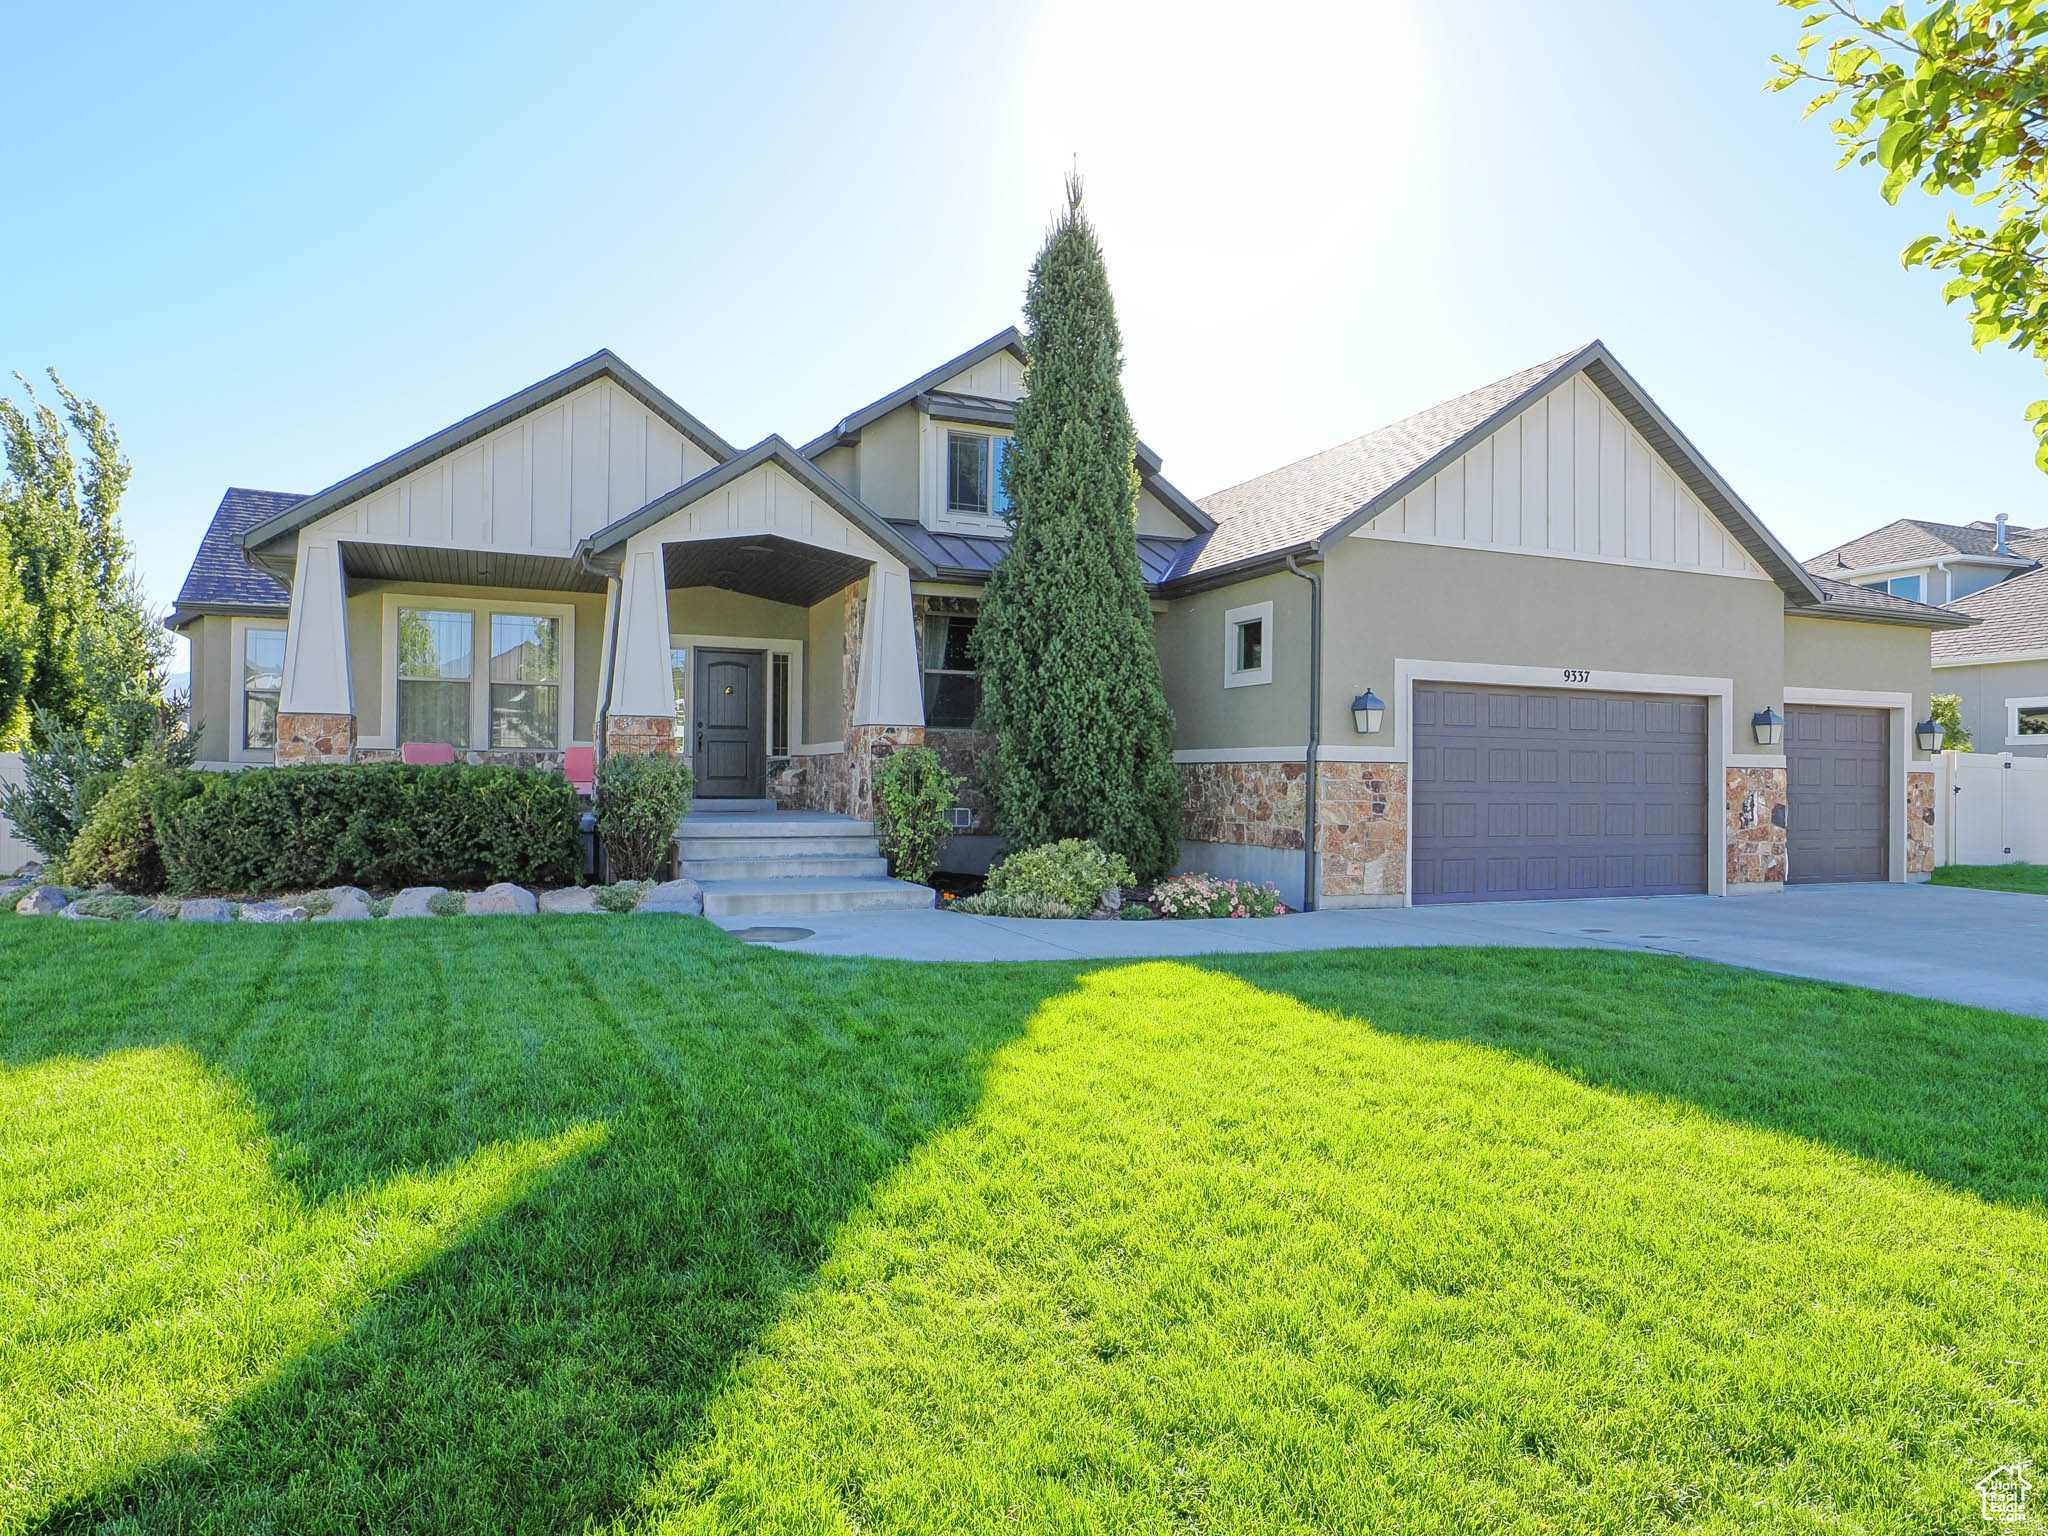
[[1311, 880]]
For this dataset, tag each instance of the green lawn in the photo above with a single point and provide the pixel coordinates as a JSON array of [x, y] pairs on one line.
[[2029, 878], [612, 1223]]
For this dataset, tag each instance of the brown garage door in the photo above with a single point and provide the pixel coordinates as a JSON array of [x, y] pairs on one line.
[[1838, 767], [1525, 794]]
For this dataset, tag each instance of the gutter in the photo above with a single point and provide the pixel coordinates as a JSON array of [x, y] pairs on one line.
[[1310, 873]]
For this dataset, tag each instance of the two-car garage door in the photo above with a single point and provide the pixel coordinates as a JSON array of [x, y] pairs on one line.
[[1527, 794]]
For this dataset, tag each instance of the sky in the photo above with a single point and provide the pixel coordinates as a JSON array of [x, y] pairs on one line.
[[279, 243]]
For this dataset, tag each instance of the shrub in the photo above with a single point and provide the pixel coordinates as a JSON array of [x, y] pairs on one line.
[[624, 896], [1073, 873], [118, 845], [1207, 896], [1946, 710], [46, 808], [641, 800], [913, 793], [996, 904], [372, 824]]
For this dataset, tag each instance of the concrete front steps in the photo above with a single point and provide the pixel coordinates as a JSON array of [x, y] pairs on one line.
[[755, 860]]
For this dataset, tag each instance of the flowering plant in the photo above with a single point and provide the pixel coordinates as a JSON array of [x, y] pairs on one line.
[[1207, 896]]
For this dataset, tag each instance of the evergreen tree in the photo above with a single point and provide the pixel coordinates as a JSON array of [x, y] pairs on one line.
[[1070, 681]]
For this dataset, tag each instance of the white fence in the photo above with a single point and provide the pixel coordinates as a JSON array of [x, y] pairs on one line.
[[13, 851], [1997, 808]]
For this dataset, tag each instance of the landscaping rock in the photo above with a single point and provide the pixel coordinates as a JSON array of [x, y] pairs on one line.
[[42, 901], [351, 905], [32, 870], [83, 917], [271, 912], [684, 896], [502, 900], [153, 913], [570, 899], [416, 901], [9, 887], [205, 909]]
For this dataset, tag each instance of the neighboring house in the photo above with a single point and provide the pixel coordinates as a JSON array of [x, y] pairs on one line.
[[1986, 571], [1570, 618]]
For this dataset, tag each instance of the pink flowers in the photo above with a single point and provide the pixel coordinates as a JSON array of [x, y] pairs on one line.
[[1191, 896]]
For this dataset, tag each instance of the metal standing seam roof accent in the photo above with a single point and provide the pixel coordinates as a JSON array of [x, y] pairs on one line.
[[222, 580], [1009, 339], [2012, 617], [604, 364], [772, 449], [971, 556]]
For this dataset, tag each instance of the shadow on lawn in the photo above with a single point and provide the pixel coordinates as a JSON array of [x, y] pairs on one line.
[[531, 1373]]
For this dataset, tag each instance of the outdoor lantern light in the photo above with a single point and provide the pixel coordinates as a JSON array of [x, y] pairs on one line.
[[1769, 726], [1930, 734], [1366, 712]]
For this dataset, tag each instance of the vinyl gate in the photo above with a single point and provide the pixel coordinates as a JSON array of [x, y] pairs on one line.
[[1998, 808]]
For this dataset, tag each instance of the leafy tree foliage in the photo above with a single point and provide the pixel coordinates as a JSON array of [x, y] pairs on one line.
[[1946, 710], [1952, 98], [1070, 682], [94, 654]]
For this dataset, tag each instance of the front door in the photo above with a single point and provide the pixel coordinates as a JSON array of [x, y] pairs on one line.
[[730, 754]]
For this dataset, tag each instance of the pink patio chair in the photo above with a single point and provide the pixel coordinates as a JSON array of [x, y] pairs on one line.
[[579, 767], [426, 754]]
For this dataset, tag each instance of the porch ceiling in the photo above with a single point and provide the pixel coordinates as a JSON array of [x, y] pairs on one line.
[[762, 565], [466, 567]]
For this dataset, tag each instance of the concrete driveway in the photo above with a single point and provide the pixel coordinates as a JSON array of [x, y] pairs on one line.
[[1989, 948]]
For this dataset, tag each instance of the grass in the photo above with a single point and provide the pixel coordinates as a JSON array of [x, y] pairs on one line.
[[552, 1224], [2031, 879]]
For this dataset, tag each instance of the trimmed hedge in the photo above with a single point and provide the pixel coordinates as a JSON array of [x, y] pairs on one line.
[[371, 824]]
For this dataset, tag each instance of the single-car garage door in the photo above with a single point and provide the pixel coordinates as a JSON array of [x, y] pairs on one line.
[[1838, 768], [1523, 794]]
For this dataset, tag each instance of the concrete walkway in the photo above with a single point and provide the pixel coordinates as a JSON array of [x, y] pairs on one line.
[[1989, 948]]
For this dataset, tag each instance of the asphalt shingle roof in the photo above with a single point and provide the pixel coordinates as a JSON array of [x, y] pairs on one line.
[[2012, 617], [1302, 501], [221, 575], [1912, 538], [1848, 595]]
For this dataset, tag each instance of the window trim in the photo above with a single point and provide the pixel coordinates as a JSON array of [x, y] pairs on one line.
[[480, 610], [934, 488], [1233, 619], [238, 750], [2013, 737]]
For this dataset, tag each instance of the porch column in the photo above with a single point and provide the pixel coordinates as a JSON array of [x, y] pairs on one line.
[[642, 714], [316, 712], [888, 703]]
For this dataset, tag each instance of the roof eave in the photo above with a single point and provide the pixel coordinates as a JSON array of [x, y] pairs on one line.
[[1266, 563], [1933, 618], [848, 430]]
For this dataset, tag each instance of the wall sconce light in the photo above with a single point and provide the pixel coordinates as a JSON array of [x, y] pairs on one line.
[[1769, 726], [1930, 734], [1366, 713]]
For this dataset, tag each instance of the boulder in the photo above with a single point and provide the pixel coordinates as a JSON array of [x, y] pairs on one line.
[[502, 900], [351, 904], [203, 909], [153, 913], [684, 896], [32, 870], [9, 887], [570, 899], [416, 901], [42, 901], [84, 917], [271, 912]]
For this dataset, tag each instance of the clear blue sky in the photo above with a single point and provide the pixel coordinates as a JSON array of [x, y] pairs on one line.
[[277, 247]]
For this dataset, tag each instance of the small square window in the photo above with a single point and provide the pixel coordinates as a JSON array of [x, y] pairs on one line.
[[2033, 722], [1251, 644], [1248, 645]]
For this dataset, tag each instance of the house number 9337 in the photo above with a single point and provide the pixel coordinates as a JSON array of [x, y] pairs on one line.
[[1577, 675]]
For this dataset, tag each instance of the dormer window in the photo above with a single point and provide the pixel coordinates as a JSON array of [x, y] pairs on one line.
[[974, 474], [1899, 586]]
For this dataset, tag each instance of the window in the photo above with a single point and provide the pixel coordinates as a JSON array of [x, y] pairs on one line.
[[679, 679], [434, 651], [1900, 586], [952, 684], [526, 681], [1248, 645], [778, 704], [2024, 719], [262, 680], [974, 474]]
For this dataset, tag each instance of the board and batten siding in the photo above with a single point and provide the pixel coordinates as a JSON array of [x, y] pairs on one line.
[[1568, 477], [994, 378], [538, 484]]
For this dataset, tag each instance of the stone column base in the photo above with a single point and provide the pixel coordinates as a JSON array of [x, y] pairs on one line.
[[640, 735], [1756, 821], [1919, 823], [1362, 834], [309, 739]]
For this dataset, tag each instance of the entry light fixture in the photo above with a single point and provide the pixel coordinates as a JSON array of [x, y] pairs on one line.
[[1930, 734], [1769, 726], [1367, 710]]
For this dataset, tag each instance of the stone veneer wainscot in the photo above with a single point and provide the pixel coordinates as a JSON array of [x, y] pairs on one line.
[[1919, 823], [640, 735], [1756, 827], [306, 739]]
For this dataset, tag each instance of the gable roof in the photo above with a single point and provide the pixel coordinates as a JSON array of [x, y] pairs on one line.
[[2011, 615], [770, 450], [1912, 538], [1009, 339], [599, 365], [221, 579], [1304, 507]]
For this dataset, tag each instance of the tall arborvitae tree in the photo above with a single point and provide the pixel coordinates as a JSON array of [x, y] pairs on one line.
[[1070, 681]]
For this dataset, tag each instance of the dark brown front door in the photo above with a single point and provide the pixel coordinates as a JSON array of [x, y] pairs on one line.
[[730, 754], [1837, 762]]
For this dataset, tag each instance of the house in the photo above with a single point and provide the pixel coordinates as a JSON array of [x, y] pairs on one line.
[[1581, 646], [1987, 571]]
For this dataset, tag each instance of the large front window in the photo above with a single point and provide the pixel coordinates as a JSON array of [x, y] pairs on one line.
[[952, 683], [526, 681], [974, 474], [262, 679], [434, 665]]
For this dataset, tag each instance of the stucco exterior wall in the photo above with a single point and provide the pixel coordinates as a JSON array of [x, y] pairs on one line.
[[888, 463], [1190, 639], [1864, 658], [1155, 518], [712, 611], [210, 640], [825, 691], [1983, 690]]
